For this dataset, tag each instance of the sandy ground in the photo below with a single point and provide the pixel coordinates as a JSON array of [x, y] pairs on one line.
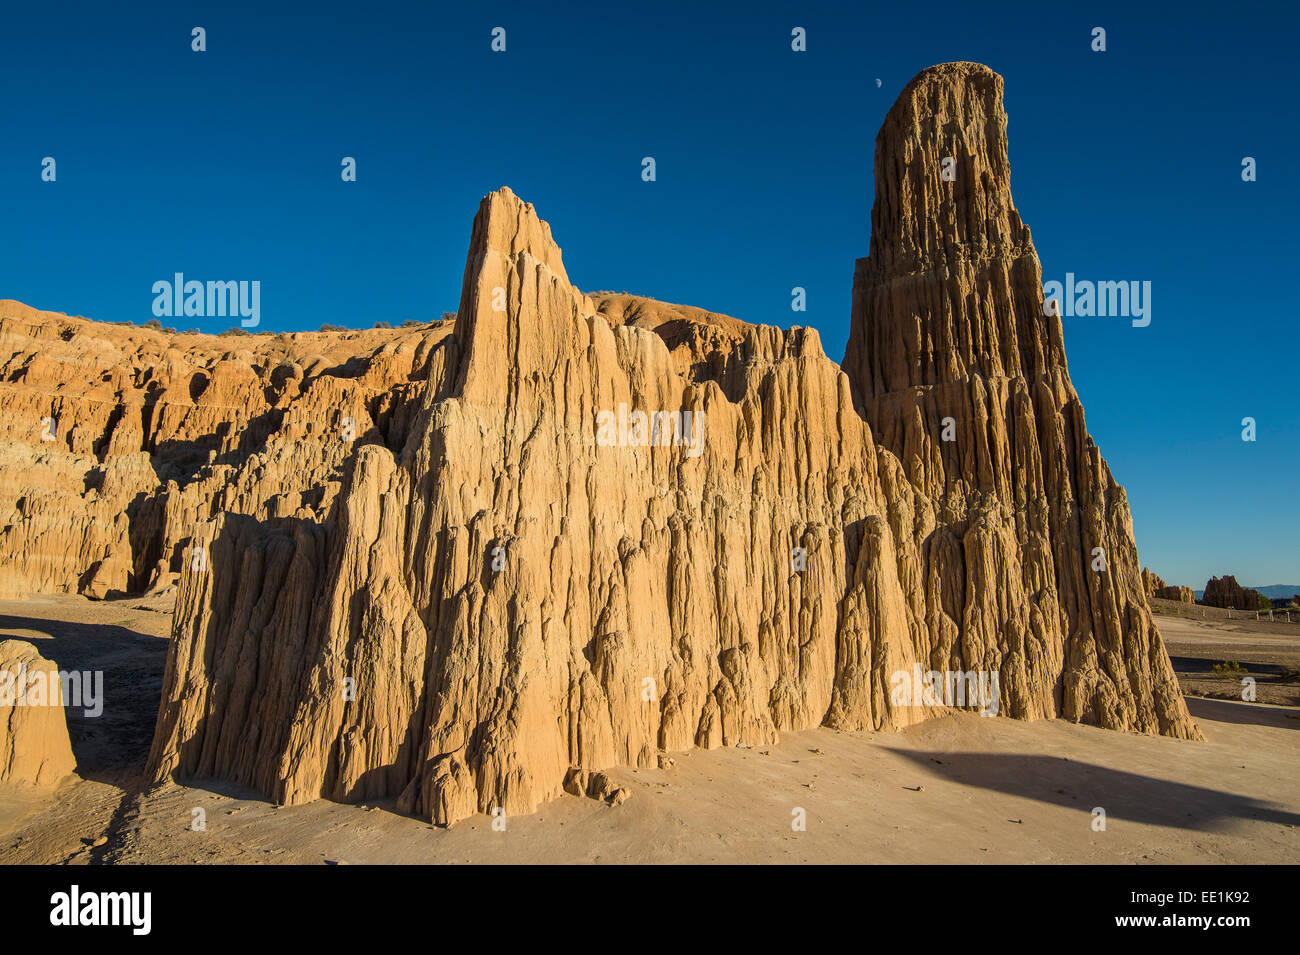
[[1268, 654], [961, 789]]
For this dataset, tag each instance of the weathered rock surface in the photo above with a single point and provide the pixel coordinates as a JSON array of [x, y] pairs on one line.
[[1026, 561], [119, 439], [488, 598], [1226, 592], [511, 599], [34, 743]]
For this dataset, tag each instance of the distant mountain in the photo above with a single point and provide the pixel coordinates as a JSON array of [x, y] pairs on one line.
[[1272, 591]]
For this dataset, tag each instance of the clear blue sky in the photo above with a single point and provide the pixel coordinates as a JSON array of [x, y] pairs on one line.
[[1126, 165]]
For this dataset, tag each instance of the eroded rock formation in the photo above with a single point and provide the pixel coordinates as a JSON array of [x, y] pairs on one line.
[[518, 583], [1226, 592], [1028, 559], [1154, 586], [34, 744], [513, 601]]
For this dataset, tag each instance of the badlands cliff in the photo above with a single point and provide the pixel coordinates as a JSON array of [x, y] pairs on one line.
[[118, 439], [423, 563]]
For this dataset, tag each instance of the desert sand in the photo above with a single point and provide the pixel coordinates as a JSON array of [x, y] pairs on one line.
[[957, 789]]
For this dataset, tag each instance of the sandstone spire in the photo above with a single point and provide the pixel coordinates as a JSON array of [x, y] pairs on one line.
[[943, 225], [1033, 560]]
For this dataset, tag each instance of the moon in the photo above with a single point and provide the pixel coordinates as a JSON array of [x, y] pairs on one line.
[[878, 83]]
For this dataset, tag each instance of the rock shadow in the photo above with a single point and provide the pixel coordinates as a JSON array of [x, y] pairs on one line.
[[110, 747], [1127, 796]]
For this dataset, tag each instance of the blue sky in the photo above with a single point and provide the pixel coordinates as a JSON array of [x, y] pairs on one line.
[[1125, 164]]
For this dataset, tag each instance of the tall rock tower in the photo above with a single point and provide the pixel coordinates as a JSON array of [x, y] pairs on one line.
[[959, 372]]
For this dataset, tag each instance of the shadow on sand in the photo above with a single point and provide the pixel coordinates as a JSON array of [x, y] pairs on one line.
[[113, 746], [1133, 797], [1244, 714]]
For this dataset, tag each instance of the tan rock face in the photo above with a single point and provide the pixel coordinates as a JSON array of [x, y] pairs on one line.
[[603, 527], [34, 744], [531, 592]]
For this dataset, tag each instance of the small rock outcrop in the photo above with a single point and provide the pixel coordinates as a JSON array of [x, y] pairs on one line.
[[1156, 587], [34, 744], [1227, 593]]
